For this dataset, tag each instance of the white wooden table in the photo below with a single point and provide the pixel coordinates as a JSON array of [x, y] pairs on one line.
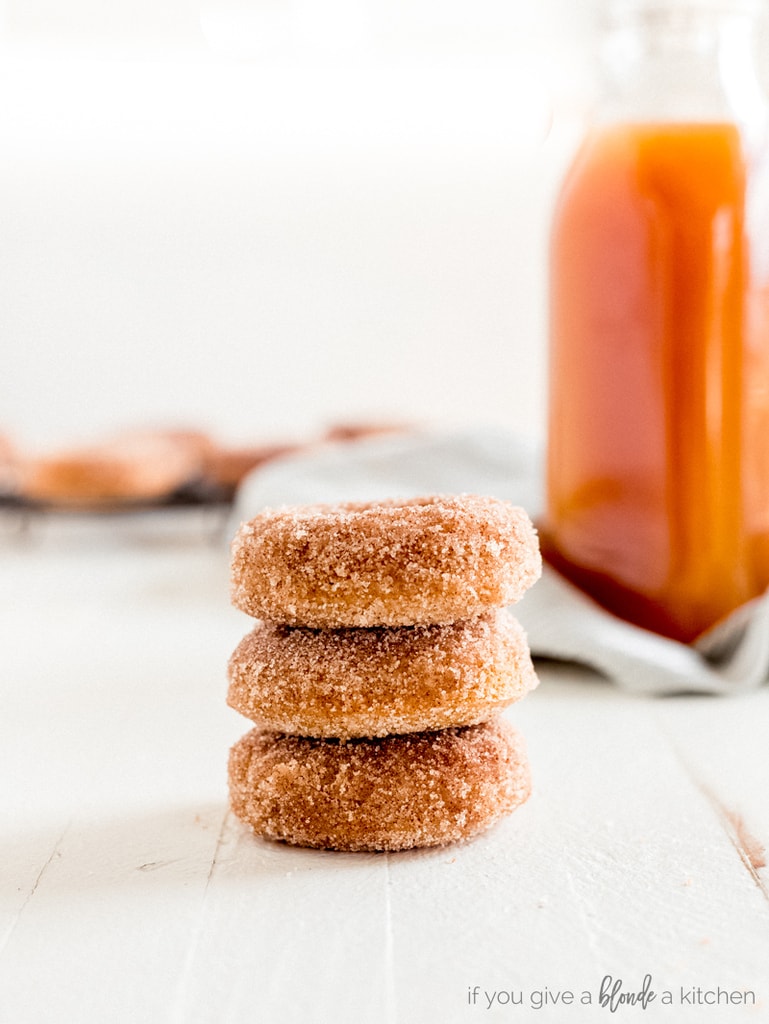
[[129, 893]]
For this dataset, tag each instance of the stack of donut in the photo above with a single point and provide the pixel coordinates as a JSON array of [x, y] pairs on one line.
[[377, 669]]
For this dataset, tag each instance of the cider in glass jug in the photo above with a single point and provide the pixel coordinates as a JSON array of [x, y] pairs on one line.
[[658, 432]]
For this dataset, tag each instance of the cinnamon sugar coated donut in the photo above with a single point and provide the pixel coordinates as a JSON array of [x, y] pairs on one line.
[[423, 789], [373, 682], [135, 467], [430, 560]]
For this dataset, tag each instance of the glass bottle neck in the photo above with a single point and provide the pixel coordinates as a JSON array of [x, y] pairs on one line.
[[682, 63]]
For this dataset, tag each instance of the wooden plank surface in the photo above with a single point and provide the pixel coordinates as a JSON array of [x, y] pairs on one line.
[[128, 893]]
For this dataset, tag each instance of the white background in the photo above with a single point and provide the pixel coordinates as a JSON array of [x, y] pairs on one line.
[[261, 219]]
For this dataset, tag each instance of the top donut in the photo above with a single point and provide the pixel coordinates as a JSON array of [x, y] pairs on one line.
[[427, 561]]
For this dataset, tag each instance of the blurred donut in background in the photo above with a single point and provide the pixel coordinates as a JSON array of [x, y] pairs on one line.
[[151, 466], [127, 469], [224, 467]]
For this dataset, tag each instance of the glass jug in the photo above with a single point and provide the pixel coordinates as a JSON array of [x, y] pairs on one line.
[[658, 433]]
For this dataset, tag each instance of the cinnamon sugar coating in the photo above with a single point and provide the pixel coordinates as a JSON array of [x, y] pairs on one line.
[[423, 789], [377, 681], [431, 560]]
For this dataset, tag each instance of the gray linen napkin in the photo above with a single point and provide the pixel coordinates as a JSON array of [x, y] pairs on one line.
[[561, 622]]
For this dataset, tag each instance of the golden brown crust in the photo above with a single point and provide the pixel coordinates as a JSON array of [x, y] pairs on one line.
[[424, 789], [430, 560], [373, 682]]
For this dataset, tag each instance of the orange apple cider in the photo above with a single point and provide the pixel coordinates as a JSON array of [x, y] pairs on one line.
[[658, 445]]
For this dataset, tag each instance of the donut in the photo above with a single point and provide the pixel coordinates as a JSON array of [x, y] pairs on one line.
[[131, 468], [423, 789], [372, 682], [429, 560], [226, 467]]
